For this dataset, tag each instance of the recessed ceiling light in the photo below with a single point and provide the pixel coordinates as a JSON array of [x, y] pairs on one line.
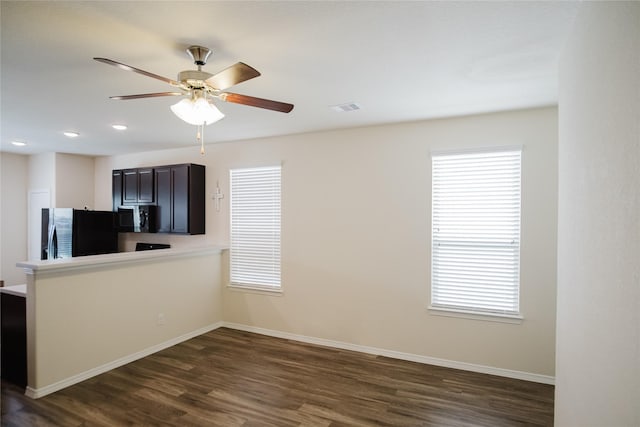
[[71, 134], [19, 143], [119, 127]]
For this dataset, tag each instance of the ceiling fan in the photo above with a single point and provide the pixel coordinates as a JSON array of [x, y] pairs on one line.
[[191, 81], [201, 87]]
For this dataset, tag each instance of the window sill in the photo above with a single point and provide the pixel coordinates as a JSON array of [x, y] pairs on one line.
[[254, 289], [476, 315]]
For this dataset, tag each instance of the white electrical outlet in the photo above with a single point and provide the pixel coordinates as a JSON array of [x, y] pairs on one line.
[[161, 320]]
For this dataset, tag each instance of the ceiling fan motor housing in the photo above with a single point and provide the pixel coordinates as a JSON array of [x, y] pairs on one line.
[[195, 79]]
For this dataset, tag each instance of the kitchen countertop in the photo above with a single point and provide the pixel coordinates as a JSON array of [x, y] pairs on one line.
[[17, 290], [91, 261]]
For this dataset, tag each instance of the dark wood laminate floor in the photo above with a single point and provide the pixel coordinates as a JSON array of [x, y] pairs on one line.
[[234, 378]]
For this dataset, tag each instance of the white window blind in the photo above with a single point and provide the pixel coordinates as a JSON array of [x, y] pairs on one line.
[[255, 227], [476, 232]]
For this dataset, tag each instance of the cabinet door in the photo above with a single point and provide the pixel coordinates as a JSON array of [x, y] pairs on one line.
[[163, 199], [130, 186], [145, 186], [116, 184], [180, 199]]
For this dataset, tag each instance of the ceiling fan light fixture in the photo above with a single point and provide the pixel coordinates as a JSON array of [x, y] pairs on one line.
[[197, 111]]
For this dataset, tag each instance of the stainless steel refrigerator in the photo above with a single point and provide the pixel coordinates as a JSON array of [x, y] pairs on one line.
[[68, 232]]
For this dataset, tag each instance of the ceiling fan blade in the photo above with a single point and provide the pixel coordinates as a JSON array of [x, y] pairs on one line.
[[146, 95], [256, 102], [237, 73], [136, 70]]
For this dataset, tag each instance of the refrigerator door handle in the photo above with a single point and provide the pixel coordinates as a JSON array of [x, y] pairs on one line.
[[53, 243]]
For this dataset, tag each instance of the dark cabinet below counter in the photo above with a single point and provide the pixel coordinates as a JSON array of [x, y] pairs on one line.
[[178, 191], [13, 337]]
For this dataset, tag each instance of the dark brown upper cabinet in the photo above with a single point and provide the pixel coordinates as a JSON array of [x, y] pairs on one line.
[[178, 191], [137, 186], [180, 195]]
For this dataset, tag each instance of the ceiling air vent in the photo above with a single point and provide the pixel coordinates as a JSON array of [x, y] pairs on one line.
[[350, 106]]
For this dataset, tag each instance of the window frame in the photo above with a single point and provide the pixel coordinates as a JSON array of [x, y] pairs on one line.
[[249, 277], [465, 309]]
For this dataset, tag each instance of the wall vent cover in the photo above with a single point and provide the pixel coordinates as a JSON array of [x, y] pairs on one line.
[[342, 108]]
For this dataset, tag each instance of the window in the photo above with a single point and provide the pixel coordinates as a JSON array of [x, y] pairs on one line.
[[475, 265], [255, 227]]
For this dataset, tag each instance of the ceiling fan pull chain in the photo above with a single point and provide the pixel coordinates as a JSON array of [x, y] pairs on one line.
[[201, 133]]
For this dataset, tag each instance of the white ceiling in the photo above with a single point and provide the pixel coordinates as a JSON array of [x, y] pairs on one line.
[[401, 61]]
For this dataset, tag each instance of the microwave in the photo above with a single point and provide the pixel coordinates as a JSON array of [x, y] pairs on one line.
[[137, 219]]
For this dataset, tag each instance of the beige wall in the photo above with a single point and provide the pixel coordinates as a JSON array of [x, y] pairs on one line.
[[13, 216], [598, 339], [74, 181], [356, 242]]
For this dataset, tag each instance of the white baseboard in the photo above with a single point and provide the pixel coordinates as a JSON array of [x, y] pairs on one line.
[[35, 393], [527, 376], [520, 375]]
